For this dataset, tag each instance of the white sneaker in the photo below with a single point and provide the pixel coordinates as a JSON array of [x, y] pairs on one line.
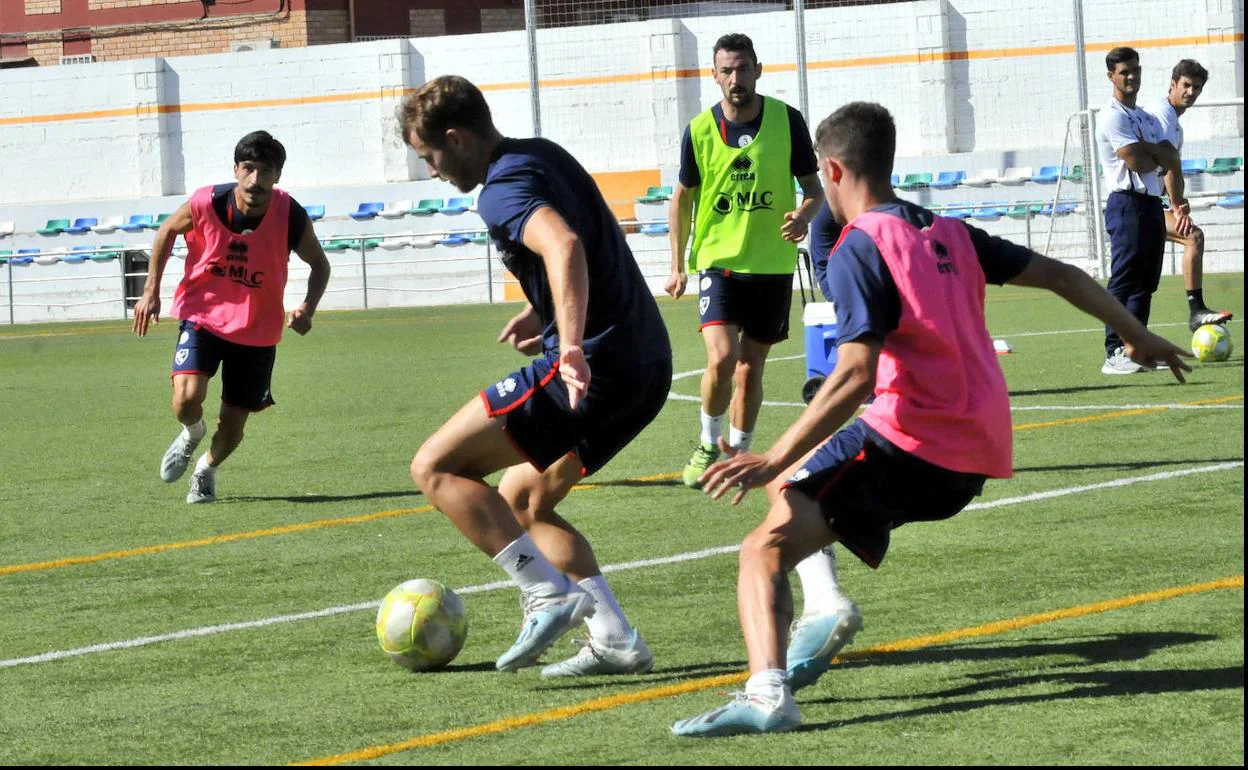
[[177, 457], [1119, 363], [203, 487], [747, 713], [597, 658], [546, 618]]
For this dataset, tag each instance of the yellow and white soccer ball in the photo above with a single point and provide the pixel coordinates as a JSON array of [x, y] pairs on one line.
[[1212, 342], [422, 625]]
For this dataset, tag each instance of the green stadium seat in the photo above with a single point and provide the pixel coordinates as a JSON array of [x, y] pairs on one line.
[[54, 227], [1226, 165], [915, 181], [108, 253], [428, 206], [656, 195], [1025, 210], [1075, 174]]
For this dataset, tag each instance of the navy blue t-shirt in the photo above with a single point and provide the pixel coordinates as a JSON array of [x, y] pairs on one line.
[[622, 323], [801, 158], [227, 211], [858, 280]]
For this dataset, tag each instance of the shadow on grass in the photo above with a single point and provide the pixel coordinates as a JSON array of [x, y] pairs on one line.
[[1078, 682], [319, 498], [1123, 465], [675, 674], [638, 483], [1067, 391]]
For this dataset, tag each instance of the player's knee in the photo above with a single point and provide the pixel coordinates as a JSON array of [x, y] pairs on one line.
[[760, 546], [524, 504], [749, 374], [425, 471], [722, 363], [1197, 237]]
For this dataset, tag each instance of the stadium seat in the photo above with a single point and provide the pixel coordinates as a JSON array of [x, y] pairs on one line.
[[315, 212], [896, 180], [428, 206], [160, 220], [1234, 199], [1226, 165], [654, 228], [5, 254], [397, 209], [993, 210], [25, 256], [6, 228], [54, 227], [108, 225], [454, 239], [1194, 166], [1017, 175], [425, 241], [337, 244], [1025, 210], [915, 182], [660, 194], [371, 243], [367, 210], [78, 254], [393, 244], [457, 205], [82, 225], [137, 223], [49, 258], [1201, 203], [958, 213], [983, 178], [947, 180], [1048, 174], [479, 237], [1075, 174], [108, 253]]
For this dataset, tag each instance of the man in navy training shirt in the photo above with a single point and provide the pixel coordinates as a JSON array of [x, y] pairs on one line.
[[602, 373]]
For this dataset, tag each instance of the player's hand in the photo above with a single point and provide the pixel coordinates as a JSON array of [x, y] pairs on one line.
[[146, 310], [523, 332], [1183, 224], [1181, 207], [742, 470], [794, 227], [1157, 351], [300, 320], [676, 283], [574, 370]]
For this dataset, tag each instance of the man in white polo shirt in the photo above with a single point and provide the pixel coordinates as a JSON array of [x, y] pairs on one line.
[[1187, 81], [1135, 156]]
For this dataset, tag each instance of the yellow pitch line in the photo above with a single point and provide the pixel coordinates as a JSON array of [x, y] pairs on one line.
[[1122, 413], [698, 685], [286, 529]]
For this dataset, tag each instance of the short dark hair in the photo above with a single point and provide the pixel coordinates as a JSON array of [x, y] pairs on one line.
[[735, 42], [443, 103], [1190, 68], [861, 135], [1118, 55], [260, 147]]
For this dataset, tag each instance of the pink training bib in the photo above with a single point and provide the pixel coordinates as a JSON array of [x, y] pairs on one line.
[[939, 391], [234, 284]]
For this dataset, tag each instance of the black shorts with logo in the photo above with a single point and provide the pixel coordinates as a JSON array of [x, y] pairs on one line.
[[247, 372], [759, 304]]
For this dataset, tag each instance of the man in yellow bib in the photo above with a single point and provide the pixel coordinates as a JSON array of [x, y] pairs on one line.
[[738, 161]]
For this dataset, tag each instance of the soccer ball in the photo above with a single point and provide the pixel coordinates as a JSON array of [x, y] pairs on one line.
[[421, 625], [1212, 342]]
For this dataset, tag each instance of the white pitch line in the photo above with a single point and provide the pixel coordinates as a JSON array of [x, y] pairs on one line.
[[192, 633], [1050, 408]]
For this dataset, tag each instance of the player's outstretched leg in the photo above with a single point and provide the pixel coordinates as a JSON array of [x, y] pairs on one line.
[[612, 646], [1199, 313], [189, 391]]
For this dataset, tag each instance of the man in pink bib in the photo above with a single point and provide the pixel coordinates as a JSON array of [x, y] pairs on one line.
[[909, 292], [230, 301]]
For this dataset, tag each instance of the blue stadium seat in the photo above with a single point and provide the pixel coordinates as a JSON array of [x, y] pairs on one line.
[[959, 213], [1195, 166], [947, 180], [896, 180], [315, 212], [993, 210], [137, 223], [25, 256], [1234, 199], [654, 228], [77, 255], [455, 239], [1048, 174], [457, 205], [82, 225], [368, 210]]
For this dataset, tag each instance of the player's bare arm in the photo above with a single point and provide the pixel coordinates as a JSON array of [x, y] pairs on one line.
[[797, 223], [1076, 287], [563, 254], [679, 221], [309, 250], [147, 309]]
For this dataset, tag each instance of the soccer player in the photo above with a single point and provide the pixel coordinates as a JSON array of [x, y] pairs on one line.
[[1135, 156], [738, 161], [1187, 81], [602, 374], [909, 290], [238, 239]]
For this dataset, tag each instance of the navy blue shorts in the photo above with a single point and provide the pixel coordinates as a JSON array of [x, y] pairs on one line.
[[866, 487], [247, 373], [759, 304], [534, 402]]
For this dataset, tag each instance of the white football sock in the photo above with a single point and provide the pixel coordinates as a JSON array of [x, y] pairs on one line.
[[820, 591], [739, 439], [712, 429], [531, 570], [770, 683], [194, 432], [608, 623], [202, 465]]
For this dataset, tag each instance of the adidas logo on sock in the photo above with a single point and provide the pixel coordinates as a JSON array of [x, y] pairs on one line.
[[523, 560]]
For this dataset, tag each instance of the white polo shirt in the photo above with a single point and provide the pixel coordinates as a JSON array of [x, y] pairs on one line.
[[1118, 126], [1168, 117]]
